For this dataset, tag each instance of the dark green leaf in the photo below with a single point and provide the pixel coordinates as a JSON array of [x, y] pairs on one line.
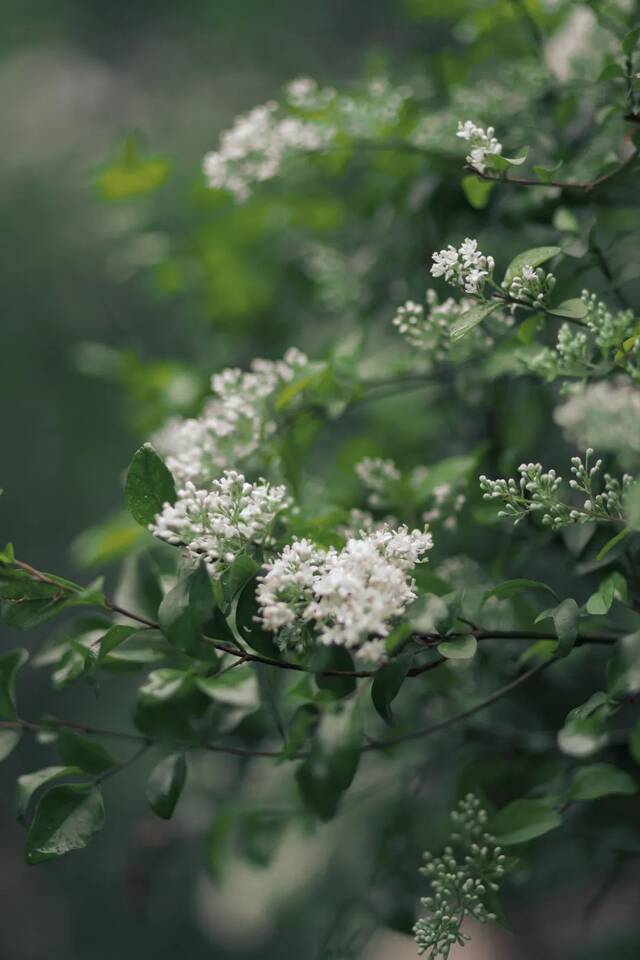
[[65, 819], [10, 663], [565, 621], [330, 768], [166, 783], [85, 753], [29, 783], [303, 723], [248, 625], [186, 608], [386, 686], [149, 485], [338, 659], [630, 42]]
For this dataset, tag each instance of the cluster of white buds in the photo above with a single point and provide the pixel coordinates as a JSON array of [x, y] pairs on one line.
[[608, 339], [530, 286], [219, 523], [461, 880], [483, 144], [350, 597], [234, 424], [464, 267], [428, 328], [538, 491]]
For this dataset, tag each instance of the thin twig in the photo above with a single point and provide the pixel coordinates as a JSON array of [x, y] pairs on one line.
[[585, 185]]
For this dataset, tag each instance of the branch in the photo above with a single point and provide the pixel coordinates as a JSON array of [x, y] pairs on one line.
[[585, 185], [459, 717], [427, 640]]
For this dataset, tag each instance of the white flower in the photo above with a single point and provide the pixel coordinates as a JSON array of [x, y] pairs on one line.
[[234, 424], [606, 415], [352, 597], [465, 267], [483, 144], [218, 523]]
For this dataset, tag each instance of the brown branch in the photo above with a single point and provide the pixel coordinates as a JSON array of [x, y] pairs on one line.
[[427, 640], [585, 185]]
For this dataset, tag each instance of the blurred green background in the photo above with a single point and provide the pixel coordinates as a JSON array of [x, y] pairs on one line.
[[76, 77]]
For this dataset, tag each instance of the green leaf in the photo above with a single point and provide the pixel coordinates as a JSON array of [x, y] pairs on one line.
[[386, 686], [575, 309], [613, 542], [65, 819], [530, 258], [132, 173], [623, 673], [630, 42], [333, 658], [547, 174], [169, 704], [471, 318], [237, 687], [460, 648], [477, 191], [112, 639], [85, 753], [612, 588], [331, 766], [149, 485], [509, 588], [248, 625], [303, 723], [166, 783], [29, 783], [8, 554], [565, 621], [243, 569], [523, 820], [600, 780], [185, 610], [9, 740], [613, 71], [10, 663]]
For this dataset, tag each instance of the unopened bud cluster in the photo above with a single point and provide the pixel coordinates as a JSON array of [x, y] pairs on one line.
[[539, 491], [529, 286], [460, 880]]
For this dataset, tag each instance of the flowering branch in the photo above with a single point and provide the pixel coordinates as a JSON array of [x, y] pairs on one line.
[[585, 185]]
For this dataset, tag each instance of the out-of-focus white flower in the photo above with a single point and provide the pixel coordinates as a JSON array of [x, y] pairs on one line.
[[218, 523], [234, 423], [605, 415], [349, 597]]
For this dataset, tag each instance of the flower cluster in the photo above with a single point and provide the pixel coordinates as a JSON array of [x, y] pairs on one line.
[[460, 881], [464, 267], [234, 424], [429, 328], [608, 340], [308, 120], [379, 477], [533, 287], [605, 414], [217, 524], [538, 491], [349, 597], [448, 501], [483, 144]]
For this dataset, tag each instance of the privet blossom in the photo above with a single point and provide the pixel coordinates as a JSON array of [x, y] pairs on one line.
[[533, 287], [234, 424], [428, 328], [218, 523], [605, 414], [350, 597], [483, 144], [464, 267]]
